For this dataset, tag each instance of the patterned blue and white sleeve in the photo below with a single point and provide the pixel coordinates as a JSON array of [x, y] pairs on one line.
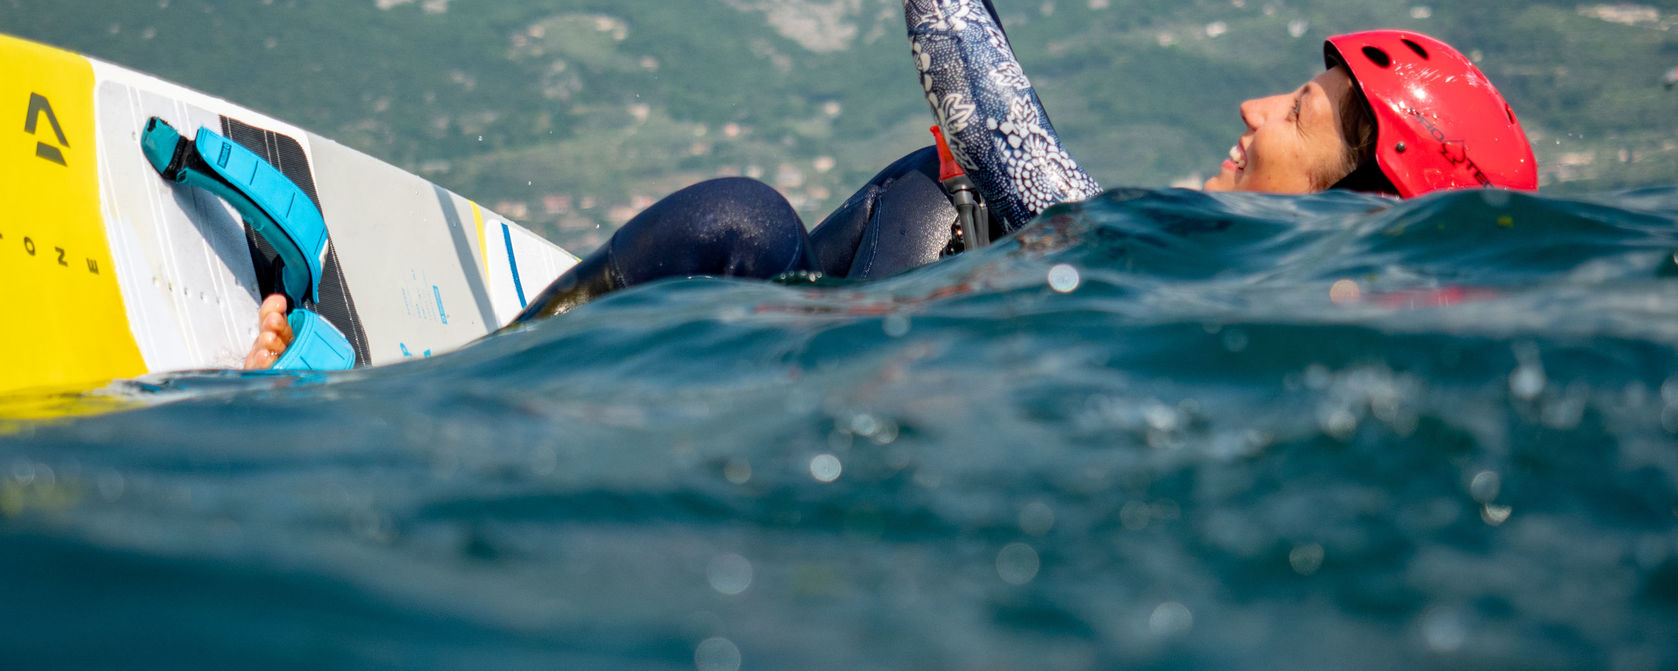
[[991, 117]]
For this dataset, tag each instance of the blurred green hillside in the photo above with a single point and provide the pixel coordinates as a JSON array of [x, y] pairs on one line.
[[569, 115]]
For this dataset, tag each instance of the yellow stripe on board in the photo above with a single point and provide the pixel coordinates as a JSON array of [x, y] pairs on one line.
[[483, 251], [62, 322]]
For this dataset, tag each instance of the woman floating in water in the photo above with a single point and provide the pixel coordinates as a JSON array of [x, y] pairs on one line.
[[1394, 112]]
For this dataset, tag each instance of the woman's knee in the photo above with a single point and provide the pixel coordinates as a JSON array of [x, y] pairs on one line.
[[742, 205], [724, 226], [721, 203]]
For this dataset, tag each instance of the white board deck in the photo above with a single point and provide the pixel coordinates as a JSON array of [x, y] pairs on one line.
[[421, 270]]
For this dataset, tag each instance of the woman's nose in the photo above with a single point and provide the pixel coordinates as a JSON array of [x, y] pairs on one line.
[[1257, 111]]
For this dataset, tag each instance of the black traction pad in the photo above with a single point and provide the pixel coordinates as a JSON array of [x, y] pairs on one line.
[[335, 302]]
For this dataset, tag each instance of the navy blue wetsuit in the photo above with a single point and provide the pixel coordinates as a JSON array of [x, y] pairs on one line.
[[901, 219], [739, 227]]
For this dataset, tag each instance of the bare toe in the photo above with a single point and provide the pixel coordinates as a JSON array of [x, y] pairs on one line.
[[274, 334]]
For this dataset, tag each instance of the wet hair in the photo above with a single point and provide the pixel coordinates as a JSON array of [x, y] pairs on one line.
[[1359, 130]]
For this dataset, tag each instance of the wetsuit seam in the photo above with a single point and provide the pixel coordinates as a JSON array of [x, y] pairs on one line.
[[871, 231], [613, 274]]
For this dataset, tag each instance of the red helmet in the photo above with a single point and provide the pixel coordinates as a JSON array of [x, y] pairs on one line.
[[1439, 122]]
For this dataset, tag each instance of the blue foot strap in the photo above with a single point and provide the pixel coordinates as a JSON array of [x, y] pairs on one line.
[[315, 344], [278, 211]]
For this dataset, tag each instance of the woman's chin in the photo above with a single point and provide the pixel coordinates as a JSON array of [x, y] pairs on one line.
[[1224, 180]]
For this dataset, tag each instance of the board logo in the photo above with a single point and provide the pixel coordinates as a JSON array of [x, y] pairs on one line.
[[1455, 151], [56, 256], [39, 106]]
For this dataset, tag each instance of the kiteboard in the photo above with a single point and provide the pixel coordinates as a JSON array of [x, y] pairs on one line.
[[112, 267]]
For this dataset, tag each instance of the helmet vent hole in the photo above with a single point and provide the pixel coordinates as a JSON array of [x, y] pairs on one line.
[[1511, 112], [1377, 56], [1416, 48]]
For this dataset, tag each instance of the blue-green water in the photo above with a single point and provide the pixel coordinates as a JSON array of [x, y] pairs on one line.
[[1158, 430]]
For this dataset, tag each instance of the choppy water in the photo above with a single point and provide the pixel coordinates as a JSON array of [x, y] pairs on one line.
[[1158, 430]]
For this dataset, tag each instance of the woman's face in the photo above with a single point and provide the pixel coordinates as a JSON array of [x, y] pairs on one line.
[[1293, 142]]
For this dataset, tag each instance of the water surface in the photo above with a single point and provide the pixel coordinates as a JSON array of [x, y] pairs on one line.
[[1161, 429]]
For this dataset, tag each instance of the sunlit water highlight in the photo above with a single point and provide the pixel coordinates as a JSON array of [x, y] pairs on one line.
[[1161, 429]]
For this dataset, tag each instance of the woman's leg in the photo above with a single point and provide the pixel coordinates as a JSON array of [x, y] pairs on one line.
[[733, 227], [900, 219]]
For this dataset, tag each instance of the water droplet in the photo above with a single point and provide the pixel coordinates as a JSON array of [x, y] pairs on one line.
[[1170, 619], [1017, 564], [23, 472], [716, 654], [1063, 278], [1235, 340], [1306, 559], [885, 433], [1527, 382], [1444, 629], [1160, 417], [1494, 514], [1485, 486], [1344, 291], [729, 573], [1317, 376], [864, 424], [826, 467], [896, 325], [1338, 422], [1037, 518], [737, 471]]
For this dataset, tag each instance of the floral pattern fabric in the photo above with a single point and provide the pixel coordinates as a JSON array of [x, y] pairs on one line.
[[991, 117]]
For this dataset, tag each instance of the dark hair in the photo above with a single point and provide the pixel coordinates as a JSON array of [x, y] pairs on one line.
[[1359, 130]]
